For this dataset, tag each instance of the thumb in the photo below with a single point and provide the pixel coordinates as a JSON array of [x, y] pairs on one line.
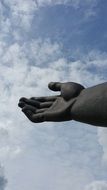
[[55, 86]]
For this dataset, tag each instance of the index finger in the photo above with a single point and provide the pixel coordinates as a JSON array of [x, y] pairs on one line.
[[45, 98], [35, 118]]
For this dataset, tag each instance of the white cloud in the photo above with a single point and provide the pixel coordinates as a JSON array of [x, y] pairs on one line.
[[28, 6], [25, 70], [21, 13], [102, 137], [97, 185], [75, 3], [3, 181], [89, 6], [18, 6], [42, 151], [16, 16]]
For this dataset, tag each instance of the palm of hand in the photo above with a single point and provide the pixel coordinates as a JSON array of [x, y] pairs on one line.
[[59, 110], [53, 108]]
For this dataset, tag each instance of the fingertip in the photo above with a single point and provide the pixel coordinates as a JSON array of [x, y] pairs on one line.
[[23, 109], [21, 104], [50, 85], [27, 112], [55, 86], [22, 99]]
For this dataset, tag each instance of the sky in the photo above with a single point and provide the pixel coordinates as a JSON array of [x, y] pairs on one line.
[[43, 41]]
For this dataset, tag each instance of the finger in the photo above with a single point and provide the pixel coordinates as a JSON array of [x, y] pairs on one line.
[[55, 86], [36, 118], [46, 105], [28, 113], [32, 102], [41, 110], [30, 108], [44, 99], [21, 104], [23, 99]]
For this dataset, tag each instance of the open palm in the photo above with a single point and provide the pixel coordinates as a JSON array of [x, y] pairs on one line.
[[52, 108]]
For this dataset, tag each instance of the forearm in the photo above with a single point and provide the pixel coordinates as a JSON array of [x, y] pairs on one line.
[[91, 106]]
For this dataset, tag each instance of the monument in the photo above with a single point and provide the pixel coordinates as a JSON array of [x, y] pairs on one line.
[[75, 102]]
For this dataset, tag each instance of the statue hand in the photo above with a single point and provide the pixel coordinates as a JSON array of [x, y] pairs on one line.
[[52, 108]]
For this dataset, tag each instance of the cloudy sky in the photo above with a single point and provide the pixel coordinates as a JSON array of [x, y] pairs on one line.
[[43, 41]]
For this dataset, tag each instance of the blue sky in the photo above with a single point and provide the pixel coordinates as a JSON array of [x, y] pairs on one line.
[[60, 40], [63, 23]]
